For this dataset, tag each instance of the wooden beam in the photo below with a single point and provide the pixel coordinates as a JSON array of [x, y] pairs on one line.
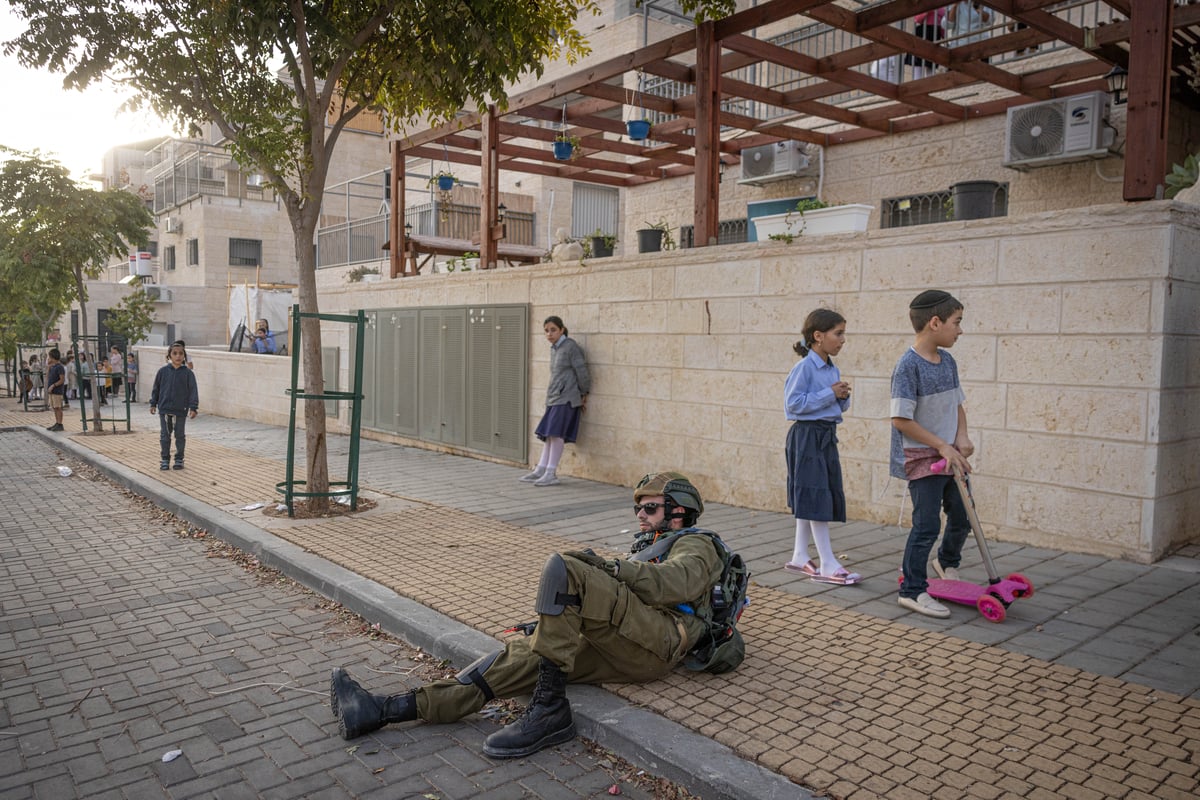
[[551, 90], [489, 194], [887, 13], [708, 136], [1149, 87], [396, 215], [761, 15]]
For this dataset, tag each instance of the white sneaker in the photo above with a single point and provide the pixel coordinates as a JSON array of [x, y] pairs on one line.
[[549, 479], [924, 604], [533, 476], [945, 573]]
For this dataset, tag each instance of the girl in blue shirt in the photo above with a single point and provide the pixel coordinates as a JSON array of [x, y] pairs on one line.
[[814, 398]]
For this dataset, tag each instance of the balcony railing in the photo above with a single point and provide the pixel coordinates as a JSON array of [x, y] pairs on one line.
[[362, 239]]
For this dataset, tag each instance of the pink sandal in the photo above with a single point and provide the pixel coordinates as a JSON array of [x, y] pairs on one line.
[[808, 568], [842, 577]]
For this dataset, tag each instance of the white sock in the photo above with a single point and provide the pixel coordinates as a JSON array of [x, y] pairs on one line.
[[555, 447], [829, 562], [800, 550], [545, 459]]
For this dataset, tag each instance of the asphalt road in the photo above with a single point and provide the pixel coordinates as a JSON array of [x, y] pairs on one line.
[[126, 635]]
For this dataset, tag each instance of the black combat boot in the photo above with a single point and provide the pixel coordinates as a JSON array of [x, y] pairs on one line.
[[357, 711], [546, 721]]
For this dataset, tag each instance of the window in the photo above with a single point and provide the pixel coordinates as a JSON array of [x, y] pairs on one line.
[[152, 248], [168, 257], [594, 208], [193, 252], [245, 252]]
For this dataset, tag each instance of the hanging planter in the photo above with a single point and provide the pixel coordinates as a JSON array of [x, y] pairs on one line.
[[564, 149], [445, 182], [566, 146], [637, 129]]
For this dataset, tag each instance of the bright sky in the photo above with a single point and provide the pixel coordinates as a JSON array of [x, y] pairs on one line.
[[77, 128]]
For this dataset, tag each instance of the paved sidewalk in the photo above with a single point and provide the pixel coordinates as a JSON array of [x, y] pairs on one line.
[[1088, 689], [122, 639]]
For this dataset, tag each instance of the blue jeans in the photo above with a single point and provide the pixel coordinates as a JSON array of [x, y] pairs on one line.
[[166, 423], [929, 497]]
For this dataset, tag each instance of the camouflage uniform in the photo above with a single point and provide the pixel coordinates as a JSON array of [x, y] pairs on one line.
[[625, 629]]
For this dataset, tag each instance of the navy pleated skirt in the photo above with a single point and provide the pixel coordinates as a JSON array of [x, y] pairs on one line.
[[814, 484], [561, 422]]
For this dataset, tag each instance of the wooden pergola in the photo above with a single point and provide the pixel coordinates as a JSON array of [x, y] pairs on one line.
[[1155, 36]]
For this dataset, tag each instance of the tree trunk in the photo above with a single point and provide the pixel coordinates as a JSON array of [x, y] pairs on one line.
[[316, 451], [89, 358]]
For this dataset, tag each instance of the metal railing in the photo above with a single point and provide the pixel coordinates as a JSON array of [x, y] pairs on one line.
[[362, 239]]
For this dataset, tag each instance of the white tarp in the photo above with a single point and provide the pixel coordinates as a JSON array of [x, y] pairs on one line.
[[248, 303]]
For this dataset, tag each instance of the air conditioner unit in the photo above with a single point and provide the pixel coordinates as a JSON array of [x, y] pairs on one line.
[[1058, 131], [773, 162], [174, 225], [159, 294]]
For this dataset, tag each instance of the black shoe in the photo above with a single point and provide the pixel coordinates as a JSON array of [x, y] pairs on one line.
[[547, 720], [357, 711], [55, 427], [178, 465], [164, 465]]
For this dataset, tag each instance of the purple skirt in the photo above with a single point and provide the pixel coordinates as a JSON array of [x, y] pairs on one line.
[[560, 422]]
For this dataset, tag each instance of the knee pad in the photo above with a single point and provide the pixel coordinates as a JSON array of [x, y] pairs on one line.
[[552, 596], [473, 673]]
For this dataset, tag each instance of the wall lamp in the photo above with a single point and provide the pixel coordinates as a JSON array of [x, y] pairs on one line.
[[1117, 78]]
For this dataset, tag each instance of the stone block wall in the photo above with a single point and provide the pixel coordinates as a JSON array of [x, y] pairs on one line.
[[1080, 361]]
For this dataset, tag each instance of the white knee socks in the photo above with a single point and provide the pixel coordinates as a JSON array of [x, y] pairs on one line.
[[800, 550], [829, 562], [553, 452]]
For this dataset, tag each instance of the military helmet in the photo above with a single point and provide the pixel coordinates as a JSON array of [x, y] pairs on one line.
[[675, 487]]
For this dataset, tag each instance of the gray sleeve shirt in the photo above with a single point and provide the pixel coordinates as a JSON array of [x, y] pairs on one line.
[[569, 377]]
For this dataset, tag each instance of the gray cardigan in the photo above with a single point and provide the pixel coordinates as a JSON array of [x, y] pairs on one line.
[[569, 378]]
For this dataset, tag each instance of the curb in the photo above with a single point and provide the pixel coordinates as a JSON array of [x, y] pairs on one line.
[[702, 765]]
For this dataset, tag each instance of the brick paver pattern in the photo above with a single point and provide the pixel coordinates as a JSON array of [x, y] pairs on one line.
[[848, 704], [120, 641]]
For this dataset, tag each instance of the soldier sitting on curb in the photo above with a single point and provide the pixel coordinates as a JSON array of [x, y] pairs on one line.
[[599, 621]]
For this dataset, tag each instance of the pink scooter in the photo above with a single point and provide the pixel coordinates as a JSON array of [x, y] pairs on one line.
[[991, 600]]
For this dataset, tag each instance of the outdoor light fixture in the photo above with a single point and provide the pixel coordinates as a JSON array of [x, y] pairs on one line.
[[721, 170], [407, 229], [500, 209], [1116, 79]]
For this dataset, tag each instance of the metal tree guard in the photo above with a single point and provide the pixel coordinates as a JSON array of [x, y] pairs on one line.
[[349, 486]]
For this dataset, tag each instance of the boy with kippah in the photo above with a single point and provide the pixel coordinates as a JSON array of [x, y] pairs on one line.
[[929, 423]]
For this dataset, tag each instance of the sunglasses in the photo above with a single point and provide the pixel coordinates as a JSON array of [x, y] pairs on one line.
[[650, 508]]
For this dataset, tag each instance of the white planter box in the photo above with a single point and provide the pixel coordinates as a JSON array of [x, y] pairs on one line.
[[372, 277], [850, 218]]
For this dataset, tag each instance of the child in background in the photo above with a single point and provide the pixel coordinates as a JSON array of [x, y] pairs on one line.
[[104, 379], [815, 396], [929, 423], [174, 390], [131, 374], [35, 373], [56, 387]]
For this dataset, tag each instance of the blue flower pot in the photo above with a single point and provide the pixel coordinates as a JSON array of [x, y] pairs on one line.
[[637, 129], [445, 182], [563, 150]]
